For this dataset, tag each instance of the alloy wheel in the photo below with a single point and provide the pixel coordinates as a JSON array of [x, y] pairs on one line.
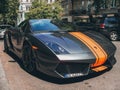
[[113, 36], [28, 60]]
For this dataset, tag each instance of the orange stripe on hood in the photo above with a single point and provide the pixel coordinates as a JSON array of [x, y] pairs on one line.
[[100, 54]]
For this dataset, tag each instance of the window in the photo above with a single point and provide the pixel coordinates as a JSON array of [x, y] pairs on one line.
[[27, 8], [23, 26], [111, 20], [113, 3], [21, 15], [43, 25]]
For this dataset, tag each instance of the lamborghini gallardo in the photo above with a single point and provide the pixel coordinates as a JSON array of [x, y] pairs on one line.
[[56, 49]]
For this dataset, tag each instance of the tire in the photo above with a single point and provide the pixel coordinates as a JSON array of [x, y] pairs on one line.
[[6, 48], [114, 36], [28, 59]]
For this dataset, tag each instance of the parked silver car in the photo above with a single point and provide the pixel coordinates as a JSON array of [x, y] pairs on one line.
[[3, 29]]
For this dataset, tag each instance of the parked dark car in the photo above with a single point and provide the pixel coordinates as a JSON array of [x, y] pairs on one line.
[[83, 26], [47, 46], [109, 26]]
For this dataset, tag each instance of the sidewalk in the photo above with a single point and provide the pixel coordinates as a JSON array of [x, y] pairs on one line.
[[3, 80]]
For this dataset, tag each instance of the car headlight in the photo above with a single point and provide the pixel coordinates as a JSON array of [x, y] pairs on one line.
[[56, 48]]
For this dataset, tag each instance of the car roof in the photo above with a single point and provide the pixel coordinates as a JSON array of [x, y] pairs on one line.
[[5, 25]]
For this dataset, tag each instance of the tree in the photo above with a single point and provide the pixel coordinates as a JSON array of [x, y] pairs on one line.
[[12, 11], [3, 10], [3, 6], [40, 9]]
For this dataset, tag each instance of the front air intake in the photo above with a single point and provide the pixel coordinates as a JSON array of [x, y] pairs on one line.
[[68, 70]]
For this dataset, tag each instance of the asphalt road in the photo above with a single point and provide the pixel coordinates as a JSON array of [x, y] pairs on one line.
[[14, 77]]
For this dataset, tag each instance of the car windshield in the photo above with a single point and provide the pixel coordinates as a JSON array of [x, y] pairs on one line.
[[43, 25], [49, 25]]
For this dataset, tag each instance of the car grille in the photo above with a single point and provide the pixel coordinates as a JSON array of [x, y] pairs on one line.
[[67, 70]]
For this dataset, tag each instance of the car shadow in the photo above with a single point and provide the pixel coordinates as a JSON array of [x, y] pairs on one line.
[[54, 80], [1, 39], [65, 81]]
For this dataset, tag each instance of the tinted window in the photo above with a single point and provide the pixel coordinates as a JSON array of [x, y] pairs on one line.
[[23, 26], [43, 25], [111, 20], [84, 24], [4, 27], [63, 25], [99, 20], [27, 28]]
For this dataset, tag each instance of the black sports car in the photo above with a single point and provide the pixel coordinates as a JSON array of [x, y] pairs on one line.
[[51, 48]]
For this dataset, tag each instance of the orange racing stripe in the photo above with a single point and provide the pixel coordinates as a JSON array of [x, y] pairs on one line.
[[100, 54]]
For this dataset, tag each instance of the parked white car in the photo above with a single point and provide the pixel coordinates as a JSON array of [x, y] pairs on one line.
[[3, 29]]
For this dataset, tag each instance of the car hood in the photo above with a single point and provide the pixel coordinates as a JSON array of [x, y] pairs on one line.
[[80, 46], [104, 42], [65, 40]]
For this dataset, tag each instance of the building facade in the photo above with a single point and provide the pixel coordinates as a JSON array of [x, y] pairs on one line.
[[77, 8], [25, 6]]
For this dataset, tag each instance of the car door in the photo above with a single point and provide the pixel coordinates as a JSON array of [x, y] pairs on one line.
[[18, 37]]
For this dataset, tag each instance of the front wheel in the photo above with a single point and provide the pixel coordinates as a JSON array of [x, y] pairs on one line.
[[114, 36], [28, 59]]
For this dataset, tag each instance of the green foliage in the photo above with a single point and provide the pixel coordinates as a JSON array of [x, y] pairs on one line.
[[40, 9], [12, 12], [3, 6]]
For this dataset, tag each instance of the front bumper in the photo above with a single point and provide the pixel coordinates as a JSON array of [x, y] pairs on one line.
[[106, 66], [69, 70], [72, 70]]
